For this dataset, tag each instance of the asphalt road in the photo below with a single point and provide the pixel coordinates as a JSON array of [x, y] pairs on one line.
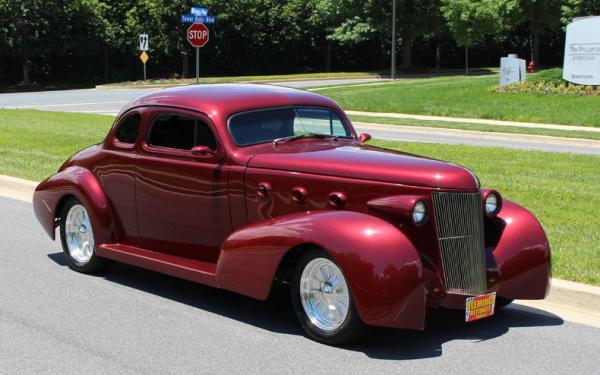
[[54, 320], [110, 102]]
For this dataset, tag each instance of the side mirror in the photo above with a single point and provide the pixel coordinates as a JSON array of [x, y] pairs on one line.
[[202, 151], [364, 137]]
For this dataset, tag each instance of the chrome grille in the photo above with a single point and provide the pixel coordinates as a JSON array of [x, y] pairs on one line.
[[459, 226]]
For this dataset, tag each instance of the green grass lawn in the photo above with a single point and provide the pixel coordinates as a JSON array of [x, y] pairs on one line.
[[469, 97], [33, 144], [476, 127], [562, 190], [280, 77]]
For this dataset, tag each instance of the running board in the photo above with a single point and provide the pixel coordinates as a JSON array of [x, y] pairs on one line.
[[183, 268]]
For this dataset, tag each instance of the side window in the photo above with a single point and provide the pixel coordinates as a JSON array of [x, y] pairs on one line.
[[337, 126], [128, 129], [179, 132], [315, 120]]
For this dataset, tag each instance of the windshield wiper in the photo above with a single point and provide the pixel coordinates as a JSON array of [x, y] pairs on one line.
[[301, 136]]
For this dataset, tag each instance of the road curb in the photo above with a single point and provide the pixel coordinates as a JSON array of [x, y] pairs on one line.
[[474, 134], [576, 296], [582, 296], [17, 188], [499, 123]]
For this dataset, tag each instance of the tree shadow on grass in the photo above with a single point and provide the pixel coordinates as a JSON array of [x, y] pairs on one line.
[[276, 315]]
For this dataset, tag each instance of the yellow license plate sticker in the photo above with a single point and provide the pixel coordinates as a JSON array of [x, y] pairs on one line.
[[480, 307]]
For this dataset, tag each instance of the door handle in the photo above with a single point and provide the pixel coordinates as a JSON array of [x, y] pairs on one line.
[[264, 190]]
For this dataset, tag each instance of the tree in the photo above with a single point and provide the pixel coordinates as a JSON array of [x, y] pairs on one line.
[[540, 16], [35, 28], [470, 21], [349, 22], [417, 18], [579, 8], [434, 28]]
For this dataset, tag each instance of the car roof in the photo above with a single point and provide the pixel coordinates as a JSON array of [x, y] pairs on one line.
[[223, 100]]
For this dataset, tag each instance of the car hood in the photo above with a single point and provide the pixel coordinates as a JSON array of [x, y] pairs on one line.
[[367, 163]]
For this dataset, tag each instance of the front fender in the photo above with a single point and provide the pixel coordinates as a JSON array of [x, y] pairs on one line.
[[382, 267], [522, 254], [82, 184]]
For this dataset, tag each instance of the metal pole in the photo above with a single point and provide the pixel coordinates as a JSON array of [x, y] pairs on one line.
[[466, 60], [393, 70], [144, 71], [197, 65]]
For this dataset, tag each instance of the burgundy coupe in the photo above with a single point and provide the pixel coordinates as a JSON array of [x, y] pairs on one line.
[[241, 187]]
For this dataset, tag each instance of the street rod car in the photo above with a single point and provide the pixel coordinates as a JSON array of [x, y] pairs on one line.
[[243, 186]]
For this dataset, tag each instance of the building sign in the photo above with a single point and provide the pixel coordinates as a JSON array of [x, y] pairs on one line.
[[512, 70], [582, 52]]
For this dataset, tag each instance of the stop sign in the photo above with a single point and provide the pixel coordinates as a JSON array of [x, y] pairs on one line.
[[197, 34]]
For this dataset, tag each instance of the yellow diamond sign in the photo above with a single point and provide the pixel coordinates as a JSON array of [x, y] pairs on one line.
[[144, 57]]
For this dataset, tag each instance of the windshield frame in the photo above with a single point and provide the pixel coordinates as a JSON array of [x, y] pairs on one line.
[[346, 124]]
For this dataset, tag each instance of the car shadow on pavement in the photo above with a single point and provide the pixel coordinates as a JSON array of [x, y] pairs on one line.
[[276, 315], [445, 326]]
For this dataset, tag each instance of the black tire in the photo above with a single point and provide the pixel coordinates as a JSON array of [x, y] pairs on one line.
[[95, 264], [351, 329], [502, 302]]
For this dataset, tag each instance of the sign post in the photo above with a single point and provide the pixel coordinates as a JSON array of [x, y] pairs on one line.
[[197, 35], [144, 41], [144, 57]]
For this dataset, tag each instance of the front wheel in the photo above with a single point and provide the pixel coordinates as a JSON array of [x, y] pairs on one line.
[[77, 237], [322, 300]]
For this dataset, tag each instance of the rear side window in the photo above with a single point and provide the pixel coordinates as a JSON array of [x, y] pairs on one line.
[[128, 129], [179, 132]]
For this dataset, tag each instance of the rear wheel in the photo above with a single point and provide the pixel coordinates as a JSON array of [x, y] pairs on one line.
[[77, 237], [322, 300]]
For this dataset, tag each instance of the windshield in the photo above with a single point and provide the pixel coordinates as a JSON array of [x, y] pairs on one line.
[[268, 125]]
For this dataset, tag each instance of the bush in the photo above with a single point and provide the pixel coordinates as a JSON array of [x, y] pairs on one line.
[[547, 82]]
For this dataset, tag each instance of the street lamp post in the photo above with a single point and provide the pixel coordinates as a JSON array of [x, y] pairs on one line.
[[393, 70]]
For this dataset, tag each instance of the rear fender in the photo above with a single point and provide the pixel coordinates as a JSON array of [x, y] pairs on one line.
[[522, 255], [382, 267], [82, 184]]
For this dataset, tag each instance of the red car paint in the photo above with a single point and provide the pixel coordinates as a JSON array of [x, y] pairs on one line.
[[231, 219]]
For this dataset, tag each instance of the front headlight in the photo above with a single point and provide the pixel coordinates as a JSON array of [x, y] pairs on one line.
[[419, 213], [492, 204]]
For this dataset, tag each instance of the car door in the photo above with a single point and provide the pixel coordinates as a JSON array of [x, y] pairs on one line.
[[182, 198], [116, 173]]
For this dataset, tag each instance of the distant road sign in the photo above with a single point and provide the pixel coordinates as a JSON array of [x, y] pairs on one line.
[[198, 35], [144, 42], [199, 11], [144, 57], [190, 18]]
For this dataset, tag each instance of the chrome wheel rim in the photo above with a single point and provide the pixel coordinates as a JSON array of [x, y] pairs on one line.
[[324, 294], [80, 237]]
